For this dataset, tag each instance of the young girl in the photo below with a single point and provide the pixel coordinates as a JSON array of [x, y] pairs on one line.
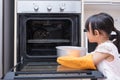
[[106, 55]]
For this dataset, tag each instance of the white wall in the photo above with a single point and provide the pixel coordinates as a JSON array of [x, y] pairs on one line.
[[113, 10], [1, 38]]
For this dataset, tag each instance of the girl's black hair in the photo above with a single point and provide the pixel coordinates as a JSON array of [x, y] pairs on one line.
[[104, 22]]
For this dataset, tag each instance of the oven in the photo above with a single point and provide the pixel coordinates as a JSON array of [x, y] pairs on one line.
[[41, 26]]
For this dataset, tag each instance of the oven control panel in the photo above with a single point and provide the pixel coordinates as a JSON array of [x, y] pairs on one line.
[[48, 6]]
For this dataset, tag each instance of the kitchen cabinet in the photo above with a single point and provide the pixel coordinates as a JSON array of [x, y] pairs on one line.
[[8, 32], [115, 0], [97, 1], [1, 28]]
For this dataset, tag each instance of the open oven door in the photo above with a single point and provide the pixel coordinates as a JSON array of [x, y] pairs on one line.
[[50, 71]]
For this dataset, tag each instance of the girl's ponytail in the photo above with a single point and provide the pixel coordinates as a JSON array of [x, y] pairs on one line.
[[117, 37]]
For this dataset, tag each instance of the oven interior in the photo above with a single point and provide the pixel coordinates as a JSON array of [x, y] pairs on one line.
[[44, 35]]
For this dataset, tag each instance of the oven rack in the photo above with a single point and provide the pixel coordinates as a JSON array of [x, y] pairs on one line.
[[48, 41]]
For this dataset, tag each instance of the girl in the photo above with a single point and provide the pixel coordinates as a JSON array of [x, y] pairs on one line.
[[106, 55]]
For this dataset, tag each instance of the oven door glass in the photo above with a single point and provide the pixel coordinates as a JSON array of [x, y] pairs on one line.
[[40, 34], [43, 35]]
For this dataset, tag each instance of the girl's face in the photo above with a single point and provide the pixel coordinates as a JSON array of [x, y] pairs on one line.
[[98, 36], [90, 35]]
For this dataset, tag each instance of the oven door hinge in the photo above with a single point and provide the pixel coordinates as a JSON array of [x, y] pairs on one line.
[[21, 60]]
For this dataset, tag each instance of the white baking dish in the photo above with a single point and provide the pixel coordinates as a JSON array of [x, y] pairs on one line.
[[70, 51]]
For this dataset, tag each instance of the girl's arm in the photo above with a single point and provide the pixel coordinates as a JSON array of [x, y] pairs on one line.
[[98, 57]]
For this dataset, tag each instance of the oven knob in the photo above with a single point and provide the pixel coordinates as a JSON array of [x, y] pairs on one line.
[[36, 8], [62, 8], [49, 8]]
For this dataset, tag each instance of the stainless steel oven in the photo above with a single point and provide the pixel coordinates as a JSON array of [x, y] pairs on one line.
[[41, 26]]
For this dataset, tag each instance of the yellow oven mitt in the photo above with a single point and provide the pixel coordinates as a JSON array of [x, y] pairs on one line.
[[85, 62]]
